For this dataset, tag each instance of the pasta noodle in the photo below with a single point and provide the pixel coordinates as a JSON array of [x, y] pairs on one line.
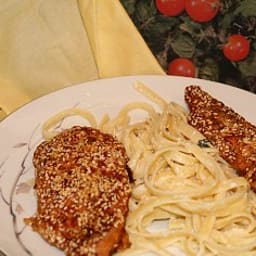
[[186, 200]]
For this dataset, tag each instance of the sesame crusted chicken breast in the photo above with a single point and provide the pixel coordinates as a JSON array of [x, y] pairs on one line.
[[82, 186], [234, 136]]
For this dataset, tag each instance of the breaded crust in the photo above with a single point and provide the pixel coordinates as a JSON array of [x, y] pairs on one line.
[[234, 136], [83, 188]]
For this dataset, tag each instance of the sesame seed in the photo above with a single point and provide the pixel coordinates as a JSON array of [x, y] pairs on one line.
[[83, 188], [231, 133]]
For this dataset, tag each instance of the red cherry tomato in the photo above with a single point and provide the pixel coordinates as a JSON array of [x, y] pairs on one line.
[[237, 48], [202, 10], [181, 67], [170, 7]]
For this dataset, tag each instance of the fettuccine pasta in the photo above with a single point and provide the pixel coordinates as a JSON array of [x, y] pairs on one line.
[[186, 200]]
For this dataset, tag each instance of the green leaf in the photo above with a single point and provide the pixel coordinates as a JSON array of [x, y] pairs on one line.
[[246, 8], [225, 22], [129, 6], [189, 25], [253, 45], [248, 66], [145, 10], [156, 32], [209, 70], [183, 45], [161, 25]]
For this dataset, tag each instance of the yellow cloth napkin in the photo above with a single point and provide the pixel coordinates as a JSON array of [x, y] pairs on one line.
[[117, 45], [46, 45]]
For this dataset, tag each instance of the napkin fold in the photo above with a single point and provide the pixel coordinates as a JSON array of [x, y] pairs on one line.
[[117, 46], [46, 45]]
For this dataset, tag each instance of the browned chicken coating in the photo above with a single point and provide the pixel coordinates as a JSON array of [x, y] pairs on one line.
[[234, 136], [83, 188]]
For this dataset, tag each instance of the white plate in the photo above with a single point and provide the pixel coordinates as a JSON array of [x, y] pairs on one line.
[[20, 133]]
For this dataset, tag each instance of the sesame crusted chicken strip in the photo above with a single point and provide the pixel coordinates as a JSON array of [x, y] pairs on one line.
[[83, 188], [234, 136]]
